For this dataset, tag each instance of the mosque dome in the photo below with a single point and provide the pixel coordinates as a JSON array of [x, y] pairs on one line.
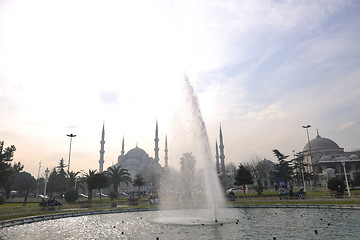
[[136, 153], [320, 143]]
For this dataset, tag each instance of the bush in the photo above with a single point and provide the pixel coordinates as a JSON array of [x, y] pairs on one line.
[[333, 184], [2, 200], [71, 196], [113, 195], [259, 188], [357, 179]]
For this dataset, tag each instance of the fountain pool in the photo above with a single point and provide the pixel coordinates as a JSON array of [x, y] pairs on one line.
[[234, 223]]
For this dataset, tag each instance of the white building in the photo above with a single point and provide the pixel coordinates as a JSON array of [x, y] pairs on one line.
[[325, 159]]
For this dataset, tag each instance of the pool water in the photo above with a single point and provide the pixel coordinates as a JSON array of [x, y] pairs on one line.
[[233, 223]]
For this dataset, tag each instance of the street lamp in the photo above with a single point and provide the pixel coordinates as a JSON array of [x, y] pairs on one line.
[[37, 181], [346, 179], [71, 136], [311, 160], [46, 180]]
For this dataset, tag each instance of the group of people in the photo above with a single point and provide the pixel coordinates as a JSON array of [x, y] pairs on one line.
[[282, 193], [154, 199], [51, 203], [231, 195]]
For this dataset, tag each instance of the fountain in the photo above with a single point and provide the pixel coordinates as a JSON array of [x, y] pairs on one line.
[[196, 185]]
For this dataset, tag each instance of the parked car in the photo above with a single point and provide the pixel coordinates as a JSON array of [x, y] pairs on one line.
[[82, 195], [102, 195], [235, 190]]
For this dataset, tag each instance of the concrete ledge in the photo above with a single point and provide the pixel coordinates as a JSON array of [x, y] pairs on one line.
[[356, 207]]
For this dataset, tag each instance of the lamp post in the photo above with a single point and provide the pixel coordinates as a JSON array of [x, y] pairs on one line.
[[37, 181], [311, 160], [346, 179], [71, 136], [46, 180]]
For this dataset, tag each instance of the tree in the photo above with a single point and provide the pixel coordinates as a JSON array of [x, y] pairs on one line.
[[138, 182], [71, 196], [100, 180], [16, 168], [299, 173], [24, 183], [61, 177], [243, 177], [334, 183], [58, 181], [52, 184], [6, 170], [283, 170], [260, 170], [118, 175], [89, 179], [71, 177], [357, 179]]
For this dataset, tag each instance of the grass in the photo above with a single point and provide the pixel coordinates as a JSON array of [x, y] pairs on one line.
[[15, 209]]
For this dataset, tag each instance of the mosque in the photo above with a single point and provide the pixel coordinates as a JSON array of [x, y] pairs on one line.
[[327, 160], [137, 161]]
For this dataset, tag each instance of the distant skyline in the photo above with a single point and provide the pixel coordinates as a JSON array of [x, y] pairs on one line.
[[261, 69]]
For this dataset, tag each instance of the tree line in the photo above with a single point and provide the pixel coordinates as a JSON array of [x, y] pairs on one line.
[[60, 182], [285, 172]]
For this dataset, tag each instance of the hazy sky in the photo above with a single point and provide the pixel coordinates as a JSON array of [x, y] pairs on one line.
[[261, 69]]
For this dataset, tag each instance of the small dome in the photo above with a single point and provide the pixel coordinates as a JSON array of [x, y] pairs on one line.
[[354, 157], [320, 143], [325, 159]]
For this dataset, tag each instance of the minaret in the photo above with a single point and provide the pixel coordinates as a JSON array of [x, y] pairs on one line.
[[222, 156], [123, 147], [102, 151], [217, 158], [166, 153], [156, 143]]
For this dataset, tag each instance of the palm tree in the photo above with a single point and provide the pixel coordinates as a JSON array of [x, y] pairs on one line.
[[138, 182], [89, 179], [118, 175], [72, 177]]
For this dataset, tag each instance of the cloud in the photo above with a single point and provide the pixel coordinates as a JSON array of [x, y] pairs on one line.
[[346, 125], [270, 112], [109, 97]]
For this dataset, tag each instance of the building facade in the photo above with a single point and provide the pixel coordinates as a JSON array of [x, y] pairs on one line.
[[327, 160]]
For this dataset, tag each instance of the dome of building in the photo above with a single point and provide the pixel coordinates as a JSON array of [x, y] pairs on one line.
[[325, 159], [136, 153], [320, 143]]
